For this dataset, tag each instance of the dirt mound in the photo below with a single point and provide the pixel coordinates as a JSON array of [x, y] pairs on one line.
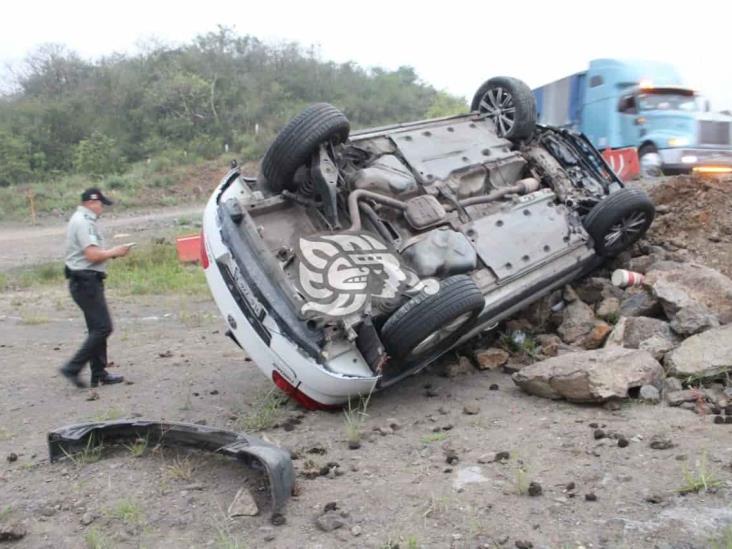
[[195, 182], [695, 214]]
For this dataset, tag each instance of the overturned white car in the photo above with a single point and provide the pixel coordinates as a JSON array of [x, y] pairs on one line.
[[356, 259]]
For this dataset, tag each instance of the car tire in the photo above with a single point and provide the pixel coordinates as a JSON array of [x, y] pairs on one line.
[[439, 316], [619, 220], [500, 93], [298, 140]]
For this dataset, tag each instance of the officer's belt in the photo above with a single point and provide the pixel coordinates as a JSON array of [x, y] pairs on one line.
[[84, 274]]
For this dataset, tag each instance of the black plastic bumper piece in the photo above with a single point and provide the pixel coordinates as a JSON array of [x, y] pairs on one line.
[[249, 449]]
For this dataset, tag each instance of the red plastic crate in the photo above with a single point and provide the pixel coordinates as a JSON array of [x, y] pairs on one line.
[[189, 248]]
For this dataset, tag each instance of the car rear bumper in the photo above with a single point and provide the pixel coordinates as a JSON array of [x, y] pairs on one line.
[[263, 319]]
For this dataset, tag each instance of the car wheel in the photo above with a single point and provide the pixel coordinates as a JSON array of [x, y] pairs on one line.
[[619, 220], [509, 103], [650, 161], [428, 322], [298, 140]]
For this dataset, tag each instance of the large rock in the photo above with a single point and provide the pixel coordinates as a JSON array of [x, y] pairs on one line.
[[491, 359], [639, 302], [549, 344], [596, 337], [12, 532], [590, 376], [608, 309], [330, 521], [693, 319], [545, 314], [644, 263], [677, 398], [640, 332], [594, 289], [462, 367], [681, 285], [578, 320], [704, 355]]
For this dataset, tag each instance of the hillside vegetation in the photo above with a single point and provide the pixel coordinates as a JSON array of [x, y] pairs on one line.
[[131, 121]]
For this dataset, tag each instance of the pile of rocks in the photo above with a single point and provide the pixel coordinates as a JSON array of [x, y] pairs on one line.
[[647, 341]]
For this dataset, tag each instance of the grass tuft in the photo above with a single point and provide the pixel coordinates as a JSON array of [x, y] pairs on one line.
[[181, 468], [95, 539], [433, 437], [110, 414], [699, 480], [128, 511], [91, 453], [33, 319], [138, 446], [517, 345], [724, 541], [355, 417], [265, 412], [521, 479]]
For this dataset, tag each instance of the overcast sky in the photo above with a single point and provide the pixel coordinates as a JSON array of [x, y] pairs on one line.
[[454, 45]]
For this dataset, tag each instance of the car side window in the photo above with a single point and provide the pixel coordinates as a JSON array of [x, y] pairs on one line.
[[596, 80], [627, 105]]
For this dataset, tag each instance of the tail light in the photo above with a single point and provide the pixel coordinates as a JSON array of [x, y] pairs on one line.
[[298, 396], [204, 255]]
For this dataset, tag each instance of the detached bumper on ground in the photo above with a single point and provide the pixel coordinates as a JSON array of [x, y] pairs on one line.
[[251, 450]]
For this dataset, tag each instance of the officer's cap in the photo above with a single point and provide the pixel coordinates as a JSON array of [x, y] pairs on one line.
[[94, 193]]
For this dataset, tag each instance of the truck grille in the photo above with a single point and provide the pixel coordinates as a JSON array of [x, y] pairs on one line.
[[712, 132]]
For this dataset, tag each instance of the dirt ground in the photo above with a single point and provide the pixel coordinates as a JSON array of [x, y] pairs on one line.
[[696, 215], [397, 489]]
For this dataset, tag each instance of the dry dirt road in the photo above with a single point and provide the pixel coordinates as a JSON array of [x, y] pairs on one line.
[[396, 490]]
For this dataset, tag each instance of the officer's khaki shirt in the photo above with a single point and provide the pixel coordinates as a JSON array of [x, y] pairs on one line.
[[81, 233]]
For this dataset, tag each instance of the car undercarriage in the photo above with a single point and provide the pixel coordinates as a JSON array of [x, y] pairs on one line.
[[391, 245]]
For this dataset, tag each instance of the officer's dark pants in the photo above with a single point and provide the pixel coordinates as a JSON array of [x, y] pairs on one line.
[[88, 293]]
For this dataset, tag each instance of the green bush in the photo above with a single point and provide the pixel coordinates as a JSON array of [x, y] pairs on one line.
[[115, 182], [250, 147], [206, 147], [162, 181], [97, 155], [14, 160]]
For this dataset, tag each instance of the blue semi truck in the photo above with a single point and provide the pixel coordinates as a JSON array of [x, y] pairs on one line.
[[641, 104]]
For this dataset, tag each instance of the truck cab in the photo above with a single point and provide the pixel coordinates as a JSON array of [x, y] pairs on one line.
[[640, 104]]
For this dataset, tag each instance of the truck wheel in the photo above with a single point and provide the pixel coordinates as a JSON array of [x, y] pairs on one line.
[[427, 322], [619, 220], [298, 140], [650, 161], [509, 103]]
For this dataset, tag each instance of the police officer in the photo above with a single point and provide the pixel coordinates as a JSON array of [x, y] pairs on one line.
[[85, 268]]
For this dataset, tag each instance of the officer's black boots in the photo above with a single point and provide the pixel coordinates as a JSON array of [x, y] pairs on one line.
[[105, 378], [73, 377]]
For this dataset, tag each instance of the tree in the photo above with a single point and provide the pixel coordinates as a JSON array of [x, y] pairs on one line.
[[96, 156], [68, 113], [444, 104], [15, 164]]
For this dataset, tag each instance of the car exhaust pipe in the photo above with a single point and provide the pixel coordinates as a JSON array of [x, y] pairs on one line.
[[354, 212], [524, 186]]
